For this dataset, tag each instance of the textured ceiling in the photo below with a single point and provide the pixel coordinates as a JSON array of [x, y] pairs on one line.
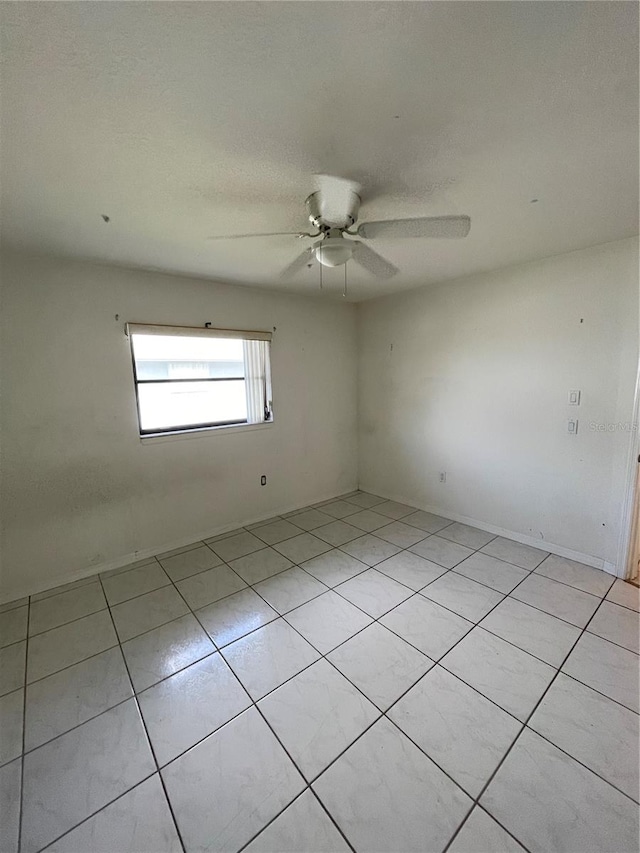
[[181, 120]]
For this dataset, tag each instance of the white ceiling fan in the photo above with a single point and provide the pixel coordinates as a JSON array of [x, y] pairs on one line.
[[333, 210]]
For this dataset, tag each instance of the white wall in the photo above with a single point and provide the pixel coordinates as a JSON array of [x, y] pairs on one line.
[[471, 377], [80, 490]]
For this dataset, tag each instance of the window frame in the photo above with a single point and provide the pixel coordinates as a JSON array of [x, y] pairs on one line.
[[195, 331]]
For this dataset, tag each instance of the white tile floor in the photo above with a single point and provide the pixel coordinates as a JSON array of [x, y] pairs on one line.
[[359, 676]]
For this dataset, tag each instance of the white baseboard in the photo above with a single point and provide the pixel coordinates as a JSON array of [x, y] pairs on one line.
[[611, 569], [137, 556], [542, 544]]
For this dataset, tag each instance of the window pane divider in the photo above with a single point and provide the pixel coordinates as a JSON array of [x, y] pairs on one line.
[[203, 379]]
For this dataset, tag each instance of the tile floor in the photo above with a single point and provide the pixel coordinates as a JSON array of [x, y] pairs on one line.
[[359, 675]]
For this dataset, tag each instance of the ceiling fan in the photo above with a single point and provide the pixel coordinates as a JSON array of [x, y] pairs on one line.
[[333, 210]]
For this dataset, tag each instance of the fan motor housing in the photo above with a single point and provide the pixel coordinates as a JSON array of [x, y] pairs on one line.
[[315, 216]]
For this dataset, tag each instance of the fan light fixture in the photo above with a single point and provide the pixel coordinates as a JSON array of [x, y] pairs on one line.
[[334, 251], [333, 210]]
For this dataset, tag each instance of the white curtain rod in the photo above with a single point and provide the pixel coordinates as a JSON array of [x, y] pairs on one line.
[[196, 331]]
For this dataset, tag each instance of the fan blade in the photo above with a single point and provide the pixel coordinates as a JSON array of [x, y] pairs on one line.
[[450, 227], [297, 264], [336, 198], [372, 261], [268, 234]]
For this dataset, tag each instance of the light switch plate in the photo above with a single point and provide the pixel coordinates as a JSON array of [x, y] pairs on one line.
[[572, 426], [574, 398]]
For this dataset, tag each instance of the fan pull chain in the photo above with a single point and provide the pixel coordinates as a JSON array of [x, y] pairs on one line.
[[344, 292], [320, 265]]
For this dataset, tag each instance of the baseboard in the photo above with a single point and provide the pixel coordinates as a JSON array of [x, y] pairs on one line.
[[611, 569], [542, 544], [139, 556]]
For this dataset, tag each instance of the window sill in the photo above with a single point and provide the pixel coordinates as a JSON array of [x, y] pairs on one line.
[[181, 435]]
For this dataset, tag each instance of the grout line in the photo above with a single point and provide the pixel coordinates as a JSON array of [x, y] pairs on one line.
[[525, 726], [217, 648], [178, 552], [612, 578], [134, 692], [24, 727], [380, 715], [138, 594], [544, 612], [282, 616], [323, 656], [577, 760], [77, 725], [446, 773], [332, 819], [192, 611], [533, 606], [16, 604], [511, 643], [183, 549], [334, 588], [576, 588], [254, 704], [146, 731], [488, 813], [96, 812], [624, 606], [62, 589], [340, 547], [500, 592], [8, 646], [519, 721], [63, 624], [477, 624], [604, 695], [204, 738], [75, 663], [108, 574], [508, 595], [474, 625], [281, 812], [304, 778]]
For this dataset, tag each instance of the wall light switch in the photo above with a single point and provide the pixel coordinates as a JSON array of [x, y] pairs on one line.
[[574, 398], [572, 426]]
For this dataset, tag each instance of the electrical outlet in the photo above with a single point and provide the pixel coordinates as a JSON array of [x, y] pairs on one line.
[[263, 480], [443, 476]]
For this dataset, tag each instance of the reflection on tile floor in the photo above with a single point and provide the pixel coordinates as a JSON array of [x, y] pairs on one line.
[[360, 675]]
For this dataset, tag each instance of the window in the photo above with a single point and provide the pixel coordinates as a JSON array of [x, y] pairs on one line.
[[190, 379]]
